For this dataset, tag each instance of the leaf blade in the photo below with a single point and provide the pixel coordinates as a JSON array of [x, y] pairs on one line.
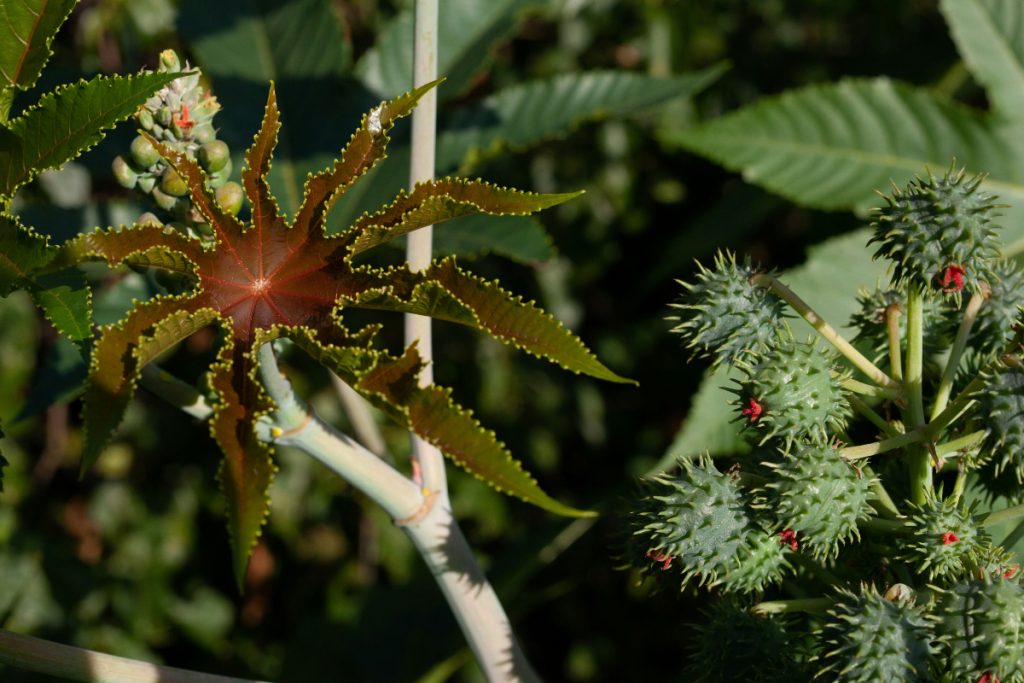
[[26, 30]]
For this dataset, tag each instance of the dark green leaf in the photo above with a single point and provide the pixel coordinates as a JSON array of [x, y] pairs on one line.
[[26, 29], [66, 302], [520, 238], [68, 121], [22, 253]]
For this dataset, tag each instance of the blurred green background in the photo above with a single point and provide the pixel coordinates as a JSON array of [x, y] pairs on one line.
[[133, 559]]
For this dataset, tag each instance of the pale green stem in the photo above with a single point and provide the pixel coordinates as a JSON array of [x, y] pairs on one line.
[[865, 389], [892, 326], [960, 484], [957, 352], [867, 411], [76, 664], [827, 332], [885, 526], [1005, 515], [883, 501], [809, 605], [961, 444], [360, 417], [919, 460], [179, 394], [869, 449], [954, 409]]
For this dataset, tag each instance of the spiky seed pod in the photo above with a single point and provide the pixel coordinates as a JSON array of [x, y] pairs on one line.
[[733, 645], [946, 541], [759, 562], [870, 323], [938, 233], [695, 523], [1001, 411], [818, 496], [995, 326], [793, 394], [869, 639], [981, 629], [724, 316]]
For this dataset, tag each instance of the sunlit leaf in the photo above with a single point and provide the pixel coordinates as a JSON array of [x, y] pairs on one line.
[[26, 29]]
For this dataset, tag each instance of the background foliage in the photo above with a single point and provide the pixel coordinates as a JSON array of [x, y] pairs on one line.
[[131, 560]]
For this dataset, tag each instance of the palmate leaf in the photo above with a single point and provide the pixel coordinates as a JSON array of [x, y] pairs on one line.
[[68, 121], [270, 278], [27, 28], [22, 254]]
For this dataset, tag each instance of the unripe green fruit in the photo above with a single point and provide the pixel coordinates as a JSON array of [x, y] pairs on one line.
[[144, 154], [164, 116], [204, 133], [164, 201], [760, 561], [868, 639], [214, 155], [999, 315], [725, 317], [1001, 409], [146, 183], [938, 234], [981, 629], [817, 495], [172, 183], [220, 177], [229, 196], [946, 542], [792, 395], [124, 173]]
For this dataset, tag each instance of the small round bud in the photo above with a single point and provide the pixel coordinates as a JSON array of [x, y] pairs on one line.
[[146, 183], [172, 183], [214, 155], [230, 196], [164, 116], [144, 154], [145, 119], [169, 61], [204, 133], [164, 201], [220, 177], [125, 174]]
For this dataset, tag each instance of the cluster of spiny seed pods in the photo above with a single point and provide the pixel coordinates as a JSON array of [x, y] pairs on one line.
[[891, 559], [180, 115]]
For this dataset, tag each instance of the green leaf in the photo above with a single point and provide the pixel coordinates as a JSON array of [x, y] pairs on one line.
[[300, 46], [66, 302], [524, 115], [68, 121], [988, 36], [27, 28], [3, 464], [447, 293], [120, 354], [467, 34], [835, 146], [247, 469], [22, 253], [392, 385], [435, 201], [139, 245], [520, 238]]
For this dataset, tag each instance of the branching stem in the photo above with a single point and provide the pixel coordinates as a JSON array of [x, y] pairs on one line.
[[892, 443], [919, 460], [805, 605], [892, 326], [957, 352]]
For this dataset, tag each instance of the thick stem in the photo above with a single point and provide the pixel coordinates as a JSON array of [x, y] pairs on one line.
[[867, 450], [76, 664], [865, 389], [957, 352], [829, 333], [919, 460], [960, 444]]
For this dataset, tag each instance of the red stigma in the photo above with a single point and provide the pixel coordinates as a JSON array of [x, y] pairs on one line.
[[753, 410], [1009, 573], [658, 556], [182, 120], [953, 278], [988, 677], [788, 537], [949, 538]]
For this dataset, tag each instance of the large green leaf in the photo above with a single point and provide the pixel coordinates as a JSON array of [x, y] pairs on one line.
[[834, 146], [392, 385], [26, 29], [300, 46], [468, 32], [22, 253], [990, 37], [68, 121], [520, 238], [523, 115], [66, 302], [828, 281]]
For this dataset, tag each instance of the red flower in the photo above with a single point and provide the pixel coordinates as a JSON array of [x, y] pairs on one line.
[[753, 410], [183, 121], [1009, 573], [659, 556], [953, 278], [949, 537], [788, 537], [988, 677]]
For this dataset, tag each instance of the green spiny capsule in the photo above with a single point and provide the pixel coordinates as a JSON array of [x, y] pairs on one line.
[[230, 196], [1001, 410], [759, 562], [946, 540], [144, 154], [165, 201], [868, 639], [214, 155], [792, 394], [124, 173], [998, 317], [172, 183], [694, 523], [981, 630], [725, 316], [817, 498], [938, 234]]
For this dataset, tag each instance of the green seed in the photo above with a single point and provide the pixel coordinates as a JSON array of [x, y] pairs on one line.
[[214, 155]]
